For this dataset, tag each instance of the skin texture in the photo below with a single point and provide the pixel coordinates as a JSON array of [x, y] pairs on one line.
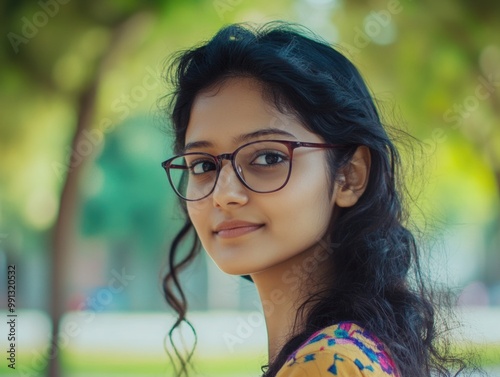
[[293, 221]]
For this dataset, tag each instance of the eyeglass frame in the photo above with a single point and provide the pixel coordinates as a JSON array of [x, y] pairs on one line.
[[290, 144]]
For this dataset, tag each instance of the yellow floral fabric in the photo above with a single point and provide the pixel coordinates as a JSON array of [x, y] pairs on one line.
[[345, 350]]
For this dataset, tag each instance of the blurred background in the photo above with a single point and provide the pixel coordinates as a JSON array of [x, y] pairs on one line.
[[87, 215]]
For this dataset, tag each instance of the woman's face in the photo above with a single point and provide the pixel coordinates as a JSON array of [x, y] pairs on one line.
[[282, 224]]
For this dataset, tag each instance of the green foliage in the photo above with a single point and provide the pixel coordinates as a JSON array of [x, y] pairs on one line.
[[126, 190]]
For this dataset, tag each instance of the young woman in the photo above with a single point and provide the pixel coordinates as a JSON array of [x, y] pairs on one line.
[[289, 179]]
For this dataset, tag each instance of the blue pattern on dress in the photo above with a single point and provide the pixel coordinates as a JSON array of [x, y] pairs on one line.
[[333, 368], [344, 334]]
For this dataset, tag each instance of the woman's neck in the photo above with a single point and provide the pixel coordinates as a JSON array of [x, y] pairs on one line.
[[283, 288]]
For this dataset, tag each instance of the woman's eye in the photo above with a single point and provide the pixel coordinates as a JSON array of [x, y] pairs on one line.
[[269, 158], [200, 167]]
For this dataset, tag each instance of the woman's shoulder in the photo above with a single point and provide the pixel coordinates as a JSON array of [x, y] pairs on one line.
[[343, 349]]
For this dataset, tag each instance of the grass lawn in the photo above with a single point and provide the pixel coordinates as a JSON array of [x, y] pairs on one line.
[[124, 344], [107, 364]]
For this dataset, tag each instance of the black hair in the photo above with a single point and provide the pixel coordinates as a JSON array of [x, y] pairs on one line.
[[376, 279]]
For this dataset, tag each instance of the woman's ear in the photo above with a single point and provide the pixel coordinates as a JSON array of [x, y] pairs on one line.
[[352, 179]]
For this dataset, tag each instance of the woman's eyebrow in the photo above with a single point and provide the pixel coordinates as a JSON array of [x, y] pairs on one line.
[[240, 138], [197, 144], [262, 132]]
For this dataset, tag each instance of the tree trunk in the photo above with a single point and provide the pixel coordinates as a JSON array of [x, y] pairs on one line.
[[64, 229], [63, 235]]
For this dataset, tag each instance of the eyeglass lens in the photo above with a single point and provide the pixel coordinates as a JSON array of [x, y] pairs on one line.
[[263, 166]]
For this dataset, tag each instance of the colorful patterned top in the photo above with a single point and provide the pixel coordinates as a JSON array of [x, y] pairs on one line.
[[345, 350]]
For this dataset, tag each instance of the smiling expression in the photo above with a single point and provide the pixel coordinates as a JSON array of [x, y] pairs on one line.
[[245, 232]]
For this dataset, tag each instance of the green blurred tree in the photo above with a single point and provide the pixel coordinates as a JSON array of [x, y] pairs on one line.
[[32, 55]]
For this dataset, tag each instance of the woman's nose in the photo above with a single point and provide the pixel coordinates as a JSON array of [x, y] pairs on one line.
[[229, 190]]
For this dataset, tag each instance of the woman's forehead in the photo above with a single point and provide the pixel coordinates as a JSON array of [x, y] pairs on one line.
[[236, 108], [231, 121]]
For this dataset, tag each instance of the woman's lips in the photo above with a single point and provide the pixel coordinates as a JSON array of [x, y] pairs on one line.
[[237, 230]]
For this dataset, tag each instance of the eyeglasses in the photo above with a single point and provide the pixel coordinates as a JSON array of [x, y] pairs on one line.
[[262, 166]]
